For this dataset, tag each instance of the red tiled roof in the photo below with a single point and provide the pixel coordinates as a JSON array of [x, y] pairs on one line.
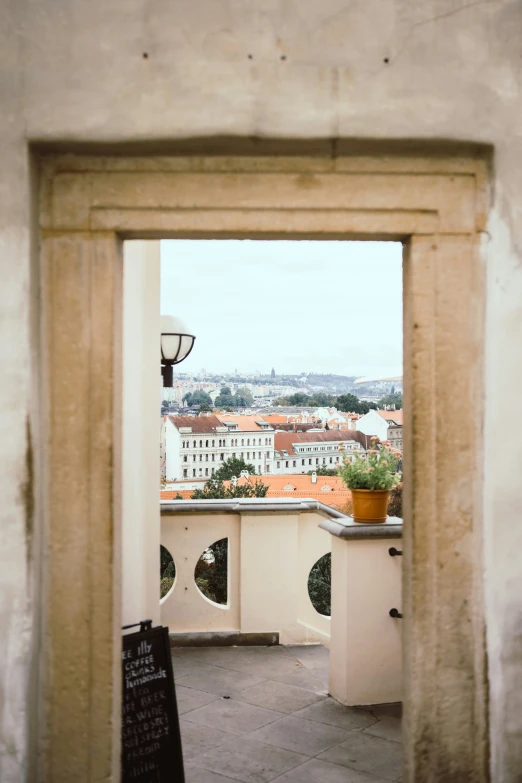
[[169, 494], [395, 416], [337, 496], [198, 423], [244, 423]]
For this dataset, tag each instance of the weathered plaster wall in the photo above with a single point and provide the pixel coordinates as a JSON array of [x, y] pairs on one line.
[[131, 70]]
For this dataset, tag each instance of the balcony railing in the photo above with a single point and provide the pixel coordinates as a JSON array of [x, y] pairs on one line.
[[272, 547]]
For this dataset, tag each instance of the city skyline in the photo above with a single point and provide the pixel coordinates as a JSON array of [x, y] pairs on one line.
[[298, 306]]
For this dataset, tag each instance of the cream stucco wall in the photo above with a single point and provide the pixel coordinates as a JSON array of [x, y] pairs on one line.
[[140, 432], [110, 73]]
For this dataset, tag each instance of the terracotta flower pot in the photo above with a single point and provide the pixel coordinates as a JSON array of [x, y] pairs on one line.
[[370, 505]]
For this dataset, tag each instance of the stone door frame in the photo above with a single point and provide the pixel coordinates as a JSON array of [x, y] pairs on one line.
[[437, 206]]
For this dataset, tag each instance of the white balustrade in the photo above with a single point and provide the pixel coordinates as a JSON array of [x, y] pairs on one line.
[[272, 546]]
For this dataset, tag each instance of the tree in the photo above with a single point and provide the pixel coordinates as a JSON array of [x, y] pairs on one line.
[[322, 400], [225, 398], [233, 467], [197, 398], [349, 403], [211, 575], [391, 400], [322, 470], [272, 374], [320, 585], [299, 398], [167, 571], [216, 490], [281, 401], [246, 395]]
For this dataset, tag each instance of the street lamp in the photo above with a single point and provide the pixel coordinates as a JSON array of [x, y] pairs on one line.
[[176, 344]]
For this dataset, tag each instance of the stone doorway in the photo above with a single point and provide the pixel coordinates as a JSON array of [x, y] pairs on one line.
[[435, 205]]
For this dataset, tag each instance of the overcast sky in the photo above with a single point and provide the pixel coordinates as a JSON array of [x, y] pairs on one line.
[[298, 306]]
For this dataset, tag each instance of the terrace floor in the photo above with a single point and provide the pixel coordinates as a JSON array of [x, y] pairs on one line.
[[257, 714]]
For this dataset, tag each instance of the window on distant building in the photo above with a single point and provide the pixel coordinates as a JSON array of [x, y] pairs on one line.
[[201, 457], [278, 464], [213, 469], [317, 460], [330, 460], [221, 457], [206, 457], [242, 442], [194, 445], [242, 455], [302, 462], [294, 463], [193, 458], [213, 458], [213, 443], [286, 464], [259, 453], [206, 444], [185, 473], [200, 444], [185, 458], [248, 442], [268, 468], [309, 461], [194, 472], [201, 471], [206, 471]]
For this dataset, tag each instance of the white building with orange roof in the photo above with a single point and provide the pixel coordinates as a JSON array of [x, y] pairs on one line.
[[302, 452], [383, 424], [196, 446]]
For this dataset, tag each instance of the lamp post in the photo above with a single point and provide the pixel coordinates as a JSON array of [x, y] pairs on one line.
[[176, 345]]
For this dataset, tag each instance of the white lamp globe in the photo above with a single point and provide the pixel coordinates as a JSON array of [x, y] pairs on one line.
[[176, 339]]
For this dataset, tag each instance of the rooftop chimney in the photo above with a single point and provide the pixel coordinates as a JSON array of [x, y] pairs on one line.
[[314, 477]]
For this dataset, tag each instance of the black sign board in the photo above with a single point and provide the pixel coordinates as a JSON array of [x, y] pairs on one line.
[[150, 741]]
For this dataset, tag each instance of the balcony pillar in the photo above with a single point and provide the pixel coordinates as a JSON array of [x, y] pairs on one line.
[[141, 432], [365, 647]]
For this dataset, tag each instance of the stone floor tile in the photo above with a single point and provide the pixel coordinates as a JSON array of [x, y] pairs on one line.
[[249, 761], [382, 710], [184, 666], [190, 698], [279, 696], [199, 775], [301, 677], [313, 656], [368, 754], [223, 682], [232, 716], [388, 728], [264, 665], [332, 713], [197, 739], [298, 735], [316, 771]]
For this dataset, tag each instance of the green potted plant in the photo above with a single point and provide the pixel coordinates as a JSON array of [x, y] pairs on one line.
[[370, 478]]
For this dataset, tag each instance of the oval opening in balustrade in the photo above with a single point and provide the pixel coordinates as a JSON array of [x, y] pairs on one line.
[[320, 585], [167, 572], [211, 572]]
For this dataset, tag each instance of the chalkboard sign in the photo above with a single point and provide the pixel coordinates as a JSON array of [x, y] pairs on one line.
[[151, 742]]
